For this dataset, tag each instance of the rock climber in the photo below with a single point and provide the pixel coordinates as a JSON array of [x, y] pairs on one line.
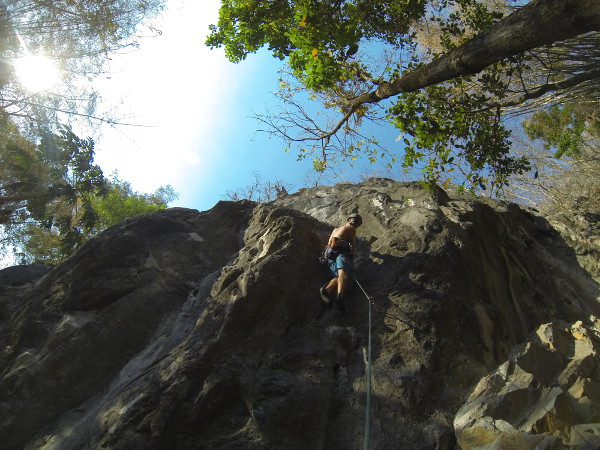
[[339, 253]]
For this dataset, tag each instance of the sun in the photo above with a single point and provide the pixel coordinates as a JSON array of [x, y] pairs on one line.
[[36, 73]]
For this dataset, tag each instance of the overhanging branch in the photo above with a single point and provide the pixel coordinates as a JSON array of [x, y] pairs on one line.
[[541, 22]]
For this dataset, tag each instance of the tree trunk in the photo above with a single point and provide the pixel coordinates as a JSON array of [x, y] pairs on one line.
[[538, 23]]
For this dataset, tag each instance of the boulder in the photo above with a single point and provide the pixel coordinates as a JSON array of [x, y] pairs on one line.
[[546, 395]]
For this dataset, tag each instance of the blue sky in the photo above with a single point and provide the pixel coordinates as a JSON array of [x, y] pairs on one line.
[[196, 107]]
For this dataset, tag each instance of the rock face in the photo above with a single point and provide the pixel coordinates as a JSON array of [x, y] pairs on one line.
[[204, 330], [547, 395]]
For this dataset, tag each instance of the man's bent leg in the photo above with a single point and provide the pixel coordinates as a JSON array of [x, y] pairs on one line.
[[343, 281], [344, 265], [332, 287]]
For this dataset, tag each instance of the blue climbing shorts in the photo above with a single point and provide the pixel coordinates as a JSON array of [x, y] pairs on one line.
[[343, 261]]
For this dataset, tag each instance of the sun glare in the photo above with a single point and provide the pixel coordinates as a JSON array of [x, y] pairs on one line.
[[36, 73]]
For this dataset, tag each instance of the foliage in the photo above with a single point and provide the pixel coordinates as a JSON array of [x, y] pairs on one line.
[[79, 36], [560, 128], [451, 129], [565, 152], [122, 202], [42, 182], [48, 181], [36, 244], [50, 184], [352, 54], [39, 243], [317, 37], [21, 172], [75, 180]]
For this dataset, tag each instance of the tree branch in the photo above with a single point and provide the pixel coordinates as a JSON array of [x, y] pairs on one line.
[[572, 82], [538, 23]]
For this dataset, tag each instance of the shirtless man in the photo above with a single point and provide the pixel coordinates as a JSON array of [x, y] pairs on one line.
[[343, 240]]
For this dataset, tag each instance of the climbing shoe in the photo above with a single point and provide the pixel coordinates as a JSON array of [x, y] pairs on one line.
[[325, 297], [339, 302]]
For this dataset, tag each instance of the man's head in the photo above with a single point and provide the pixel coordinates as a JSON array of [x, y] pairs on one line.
[[355, 220]]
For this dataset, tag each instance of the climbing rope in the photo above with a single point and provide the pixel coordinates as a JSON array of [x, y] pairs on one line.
[[368, 367]]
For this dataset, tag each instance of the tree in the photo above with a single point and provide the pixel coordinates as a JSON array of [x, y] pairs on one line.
[[36, 242], [122, 202], [259, 191], [79, 36], [21, 172], [39, 182], [50, 184], [565, 151], [452, 108]]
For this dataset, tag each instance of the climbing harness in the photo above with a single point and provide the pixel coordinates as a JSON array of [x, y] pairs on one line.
[[368, 364]]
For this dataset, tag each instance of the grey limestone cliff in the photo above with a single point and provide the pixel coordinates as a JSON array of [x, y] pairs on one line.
[[205, 330]]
